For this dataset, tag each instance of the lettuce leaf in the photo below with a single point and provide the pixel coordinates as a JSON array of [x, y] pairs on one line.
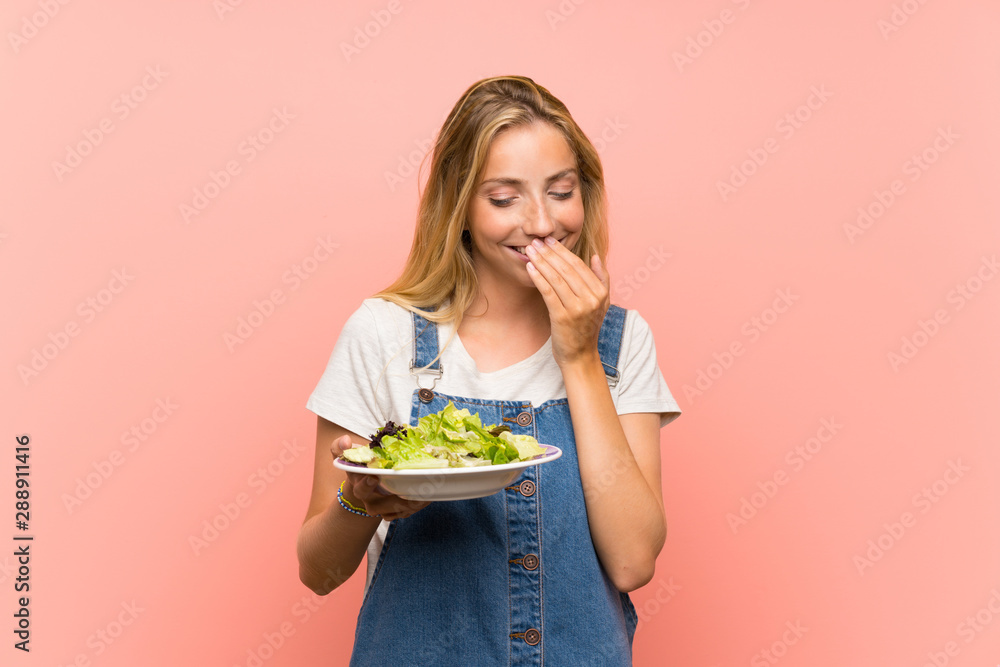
[[449, 438]]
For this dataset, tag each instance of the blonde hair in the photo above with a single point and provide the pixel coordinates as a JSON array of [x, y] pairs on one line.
[[439, 272]]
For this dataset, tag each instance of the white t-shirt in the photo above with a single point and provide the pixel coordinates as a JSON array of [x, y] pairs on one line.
[[368, 382]]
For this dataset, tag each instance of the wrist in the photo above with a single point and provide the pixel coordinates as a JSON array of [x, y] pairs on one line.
[[584, 366], [349, 503]]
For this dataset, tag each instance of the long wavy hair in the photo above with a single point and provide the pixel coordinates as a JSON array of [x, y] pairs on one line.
[[439, 272]]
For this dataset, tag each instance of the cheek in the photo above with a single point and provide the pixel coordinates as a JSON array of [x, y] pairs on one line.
[[486, 223], [574, 217]]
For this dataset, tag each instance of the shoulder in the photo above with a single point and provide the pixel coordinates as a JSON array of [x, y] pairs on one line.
[[376, 326], [376, 316], [636, 323], [634, 328], [637, 336]]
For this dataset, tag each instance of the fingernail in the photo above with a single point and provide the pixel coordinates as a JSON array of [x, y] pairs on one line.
[[550, 240], [530, 249], [537, 243]]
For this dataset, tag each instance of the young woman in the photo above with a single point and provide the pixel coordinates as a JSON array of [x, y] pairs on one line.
[[502, 308]]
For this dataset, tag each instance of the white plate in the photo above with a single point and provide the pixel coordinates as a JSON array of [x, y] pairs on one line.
[[450, 483]]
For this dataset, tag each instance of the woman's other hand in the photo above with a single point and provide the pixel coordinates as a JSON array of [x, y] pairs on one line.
[[366, 491]]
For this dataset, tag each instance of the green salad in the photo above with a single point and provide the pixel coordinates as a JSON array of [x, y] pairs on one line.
[[450, 438]]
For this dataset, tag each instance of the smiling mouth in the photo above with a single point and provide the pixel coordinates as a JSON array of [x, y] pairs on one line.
[[520, 248]]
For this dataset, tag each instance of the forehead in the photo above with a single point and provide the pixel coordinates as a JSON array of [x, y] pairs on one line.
[[525, 149]]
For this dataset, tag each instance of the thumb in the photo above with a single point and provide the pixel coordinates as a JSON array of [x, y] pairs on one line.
[[340, 444]]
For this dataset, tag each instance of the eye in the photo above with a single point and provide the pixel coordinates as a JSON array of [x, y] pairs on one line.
[[562, 195], [502, 202]]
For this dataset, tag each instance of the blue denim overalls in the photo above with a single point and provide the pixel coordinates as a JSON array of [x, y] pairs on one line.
[[510, 579]]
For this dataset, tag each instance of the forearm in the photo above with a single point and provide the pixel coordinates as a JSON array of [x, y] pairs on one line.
[[330, 546], [625, 513]]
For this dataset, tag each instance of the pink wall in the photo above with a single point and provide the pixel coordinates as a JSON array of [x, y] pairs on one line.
[[832, 485]]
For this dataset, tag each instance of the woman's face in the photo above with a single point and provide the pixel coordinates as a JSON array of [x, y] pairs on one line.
[[530, 189]]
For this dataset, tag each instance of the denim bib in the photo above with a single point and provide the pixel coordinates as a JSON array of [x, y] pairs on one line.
[[509, 579]]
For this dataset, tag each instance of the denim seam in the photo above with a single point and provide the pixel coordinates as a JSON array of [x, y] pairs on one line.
[[541, 550], [510, 604]]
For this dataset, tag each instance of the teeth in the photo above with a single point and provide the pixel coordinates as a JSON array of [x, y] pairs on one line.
[[520, 249]]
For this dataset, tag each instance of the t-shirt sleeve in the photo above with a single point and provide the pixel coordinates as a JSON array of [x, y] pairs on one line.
[[346, 394], [642, 387]]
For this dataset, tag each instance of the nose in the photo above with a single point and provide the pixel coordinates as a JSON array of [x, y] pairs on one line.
[[538, 222]]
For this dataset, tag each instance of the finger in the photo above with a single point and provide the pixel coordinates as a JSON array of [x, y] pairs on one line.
[[564, 278], [552, 300], [601, 273], [394, 507], [589, 282], [367, 488], [597, 266]]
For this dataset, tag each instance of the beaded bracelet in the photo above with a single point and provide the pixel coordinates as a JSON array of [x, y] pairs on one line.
[[347, 505]]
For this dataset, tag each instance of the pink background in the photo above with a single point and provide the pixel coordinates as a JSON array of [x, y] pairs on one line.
[[837, 559]]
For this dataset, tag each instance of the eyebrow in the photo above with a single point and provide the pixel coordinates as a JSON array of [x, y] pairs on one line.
[[503, 180]]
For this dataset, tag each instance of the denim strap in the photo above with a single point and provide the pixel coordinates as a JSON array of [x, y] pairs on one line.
[[609, 342], [425, 344]]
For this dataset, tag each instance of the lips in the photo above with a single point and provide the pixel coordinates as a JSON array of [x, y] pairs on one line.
[[519, 251]]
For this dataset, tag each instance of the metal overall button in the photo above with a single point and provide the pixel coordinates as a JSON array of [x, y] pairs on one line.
[[532, 636], [425, 395], [527, 488], [524, 419], [530, 562]]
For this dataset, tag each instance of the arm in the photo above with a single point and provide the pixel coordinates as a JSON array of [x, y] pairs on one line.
[[620, 470], [619, 457], [332, 541]]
